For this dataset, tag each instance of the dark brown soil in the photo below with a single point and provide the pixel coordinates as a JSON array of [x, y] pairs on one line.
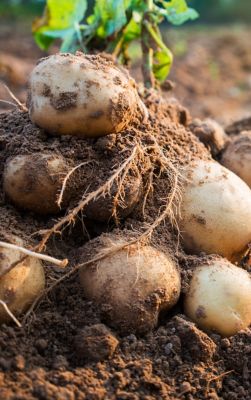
[[62, 351], [45, 359]]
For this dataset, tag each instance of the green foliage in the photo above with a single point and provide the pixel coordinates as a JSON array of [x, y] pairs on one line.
[[112, 26]]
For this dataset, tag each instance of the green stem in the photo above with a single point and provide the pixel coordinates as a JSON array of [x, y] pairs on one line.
[[147, 51], [158, 40], [149, 5]]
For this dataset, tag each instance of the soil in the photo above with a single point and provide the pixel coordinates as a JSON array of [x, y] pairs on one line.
[[64, 350]]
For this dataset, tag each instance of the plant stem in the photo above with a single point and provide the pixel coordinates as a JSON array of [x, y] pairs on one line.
[[147, 51], [149, 5]]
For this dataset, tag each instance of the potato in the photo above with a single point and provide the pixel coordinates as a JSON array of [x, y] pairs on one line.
[[132, 286], [22, 285], [215, 211], [237, 156], [32, 182], [219, 297], [83, 95], [101, 209]]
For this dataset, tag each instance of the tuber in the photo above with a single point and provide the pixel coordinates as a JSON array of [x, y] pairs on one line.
[[22, 284], [82, 95], [215, 211], [219, 297], [132, 286], [32, 182]]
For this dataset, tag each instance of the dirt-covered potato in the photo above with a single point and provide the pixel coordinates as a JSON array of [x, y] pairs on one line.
[[219, 297], [215, 210], [132, 286], [102, 209], [237, 156], [32, 182], [20, 286], [83, 95]]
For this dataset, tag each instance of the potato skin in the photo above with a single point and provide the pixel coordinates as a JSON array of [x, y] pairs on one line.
[[32, 182], [82, 95], [237, 156], [215, 211], [219, 297], [20, 286], [132, 286]]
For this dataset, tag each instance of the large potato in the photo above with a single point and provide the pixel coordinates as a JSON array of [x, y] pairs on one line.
[[219, 297], [83, 95], [32, 182], [133, 286], [215, 210], [237, 156], [22, 285]]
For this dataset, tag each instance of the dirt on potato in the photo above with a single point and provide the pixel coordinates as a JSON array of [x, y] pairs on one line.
[[63, 351]]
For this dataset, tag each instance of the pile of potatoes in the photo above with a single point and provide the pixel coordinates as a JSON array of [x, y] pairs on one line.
[[89, 96]]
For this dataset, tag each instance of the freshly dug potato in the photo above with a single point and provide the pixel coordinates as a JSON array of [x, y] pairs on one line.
[[20, 286], [215, 211], [102, 208], [132, 286], [219, 297], [237, 156], [83, 95], [32, 182]]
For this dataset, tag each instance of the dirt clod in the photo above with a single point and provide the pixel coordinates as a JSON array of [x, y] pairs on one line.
[[95, 343]]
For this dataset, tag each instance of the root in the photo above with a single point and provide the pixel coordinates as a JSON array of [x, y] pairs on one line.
[[61, 194], [146, 159], [11, 315], [16, 103], [44, 257], [148, 190], [119, 197], [101, 191], [141, 238]]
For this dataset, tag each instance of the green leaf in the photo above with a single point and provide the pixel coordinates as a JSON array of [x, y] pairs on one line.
[[59, 18], [68, 44], [111, 15], [162, 64], [43, 41], [132, 31], [177, 12]]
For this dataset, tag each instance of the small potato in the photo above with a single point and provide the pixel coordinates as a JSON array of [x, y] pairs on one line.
[[132, 286], [215, 211], [219, 297], [102, 208], [22, 285], [32, 182], [237, 156], [82, 95]]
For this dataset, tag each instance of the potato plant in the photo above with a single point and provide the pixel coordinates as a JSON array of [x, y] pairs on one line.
[[112, 26]]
